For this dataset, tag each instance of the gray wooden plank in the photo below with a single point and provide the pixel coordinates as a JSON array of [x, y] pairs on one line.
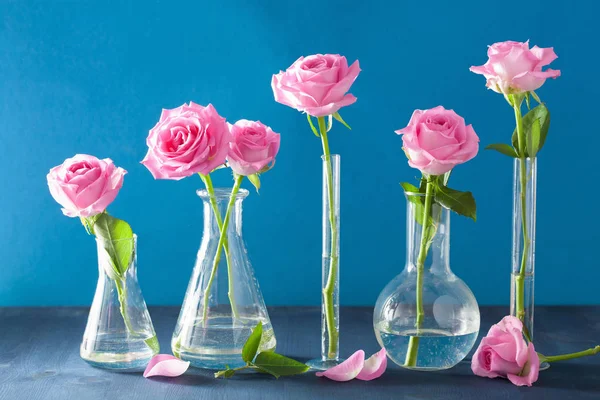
[[39, 359]]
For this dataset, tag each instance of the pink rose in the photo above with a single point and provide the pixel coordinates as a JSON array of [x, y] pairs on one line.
[[316, 84], [505, 353], [437, 140], [85, 185], [187, 140], [253, 147], [513, 68]]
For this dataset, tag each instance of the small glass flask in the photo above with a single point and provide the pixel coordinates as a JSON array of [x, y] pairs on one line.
[[119, 334]]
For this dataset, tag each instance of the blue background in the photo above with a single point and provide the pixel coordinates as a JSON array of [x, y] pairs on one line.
[[92, 77]]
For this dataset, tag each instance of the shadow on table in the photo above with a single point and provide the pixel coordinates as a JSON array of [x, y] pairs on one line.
[[192, 377], [571, 375]]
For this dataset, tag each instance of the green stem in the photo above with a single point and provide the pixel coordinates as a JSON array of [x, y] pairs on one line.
[[121, 285], [227, 371], [520, 279], [570, 356], [332, 332], [413, 343], [122, 294], [222, 237], [215, 207]]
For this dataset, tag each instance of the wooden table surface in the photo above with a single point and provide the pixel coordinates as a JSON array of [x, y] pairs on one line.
[[39, 359]]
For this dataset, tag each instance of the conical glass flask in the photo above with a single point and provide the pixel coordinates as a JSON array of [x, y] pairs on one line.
[[427, 318], [223, 302], [119, 334]]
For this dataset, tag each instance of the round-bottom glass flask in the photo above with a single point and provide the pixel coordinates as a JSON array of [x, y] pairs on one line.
[[427, 318]]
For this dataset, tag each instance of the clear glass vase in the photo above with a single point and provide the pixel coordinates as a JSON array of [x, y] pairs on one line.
[[223, 302], [119, 334], [445, 330], [523, 249], [330, 267]]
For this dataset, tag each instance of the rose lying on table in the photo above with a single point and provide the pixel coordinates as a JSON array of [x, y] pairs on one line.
[[505, 353]]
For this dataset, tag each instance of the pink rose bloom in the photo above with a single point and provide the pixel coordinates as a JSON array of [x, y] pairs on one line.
[[253, 147], [187, 140], [437, 140], [505, 353], [514, 68], [85, 185], [316, 84]]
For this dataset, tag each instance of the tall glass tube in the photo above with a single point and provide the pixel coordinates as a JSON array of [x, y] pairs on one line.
[[523, 248], [330, 301]]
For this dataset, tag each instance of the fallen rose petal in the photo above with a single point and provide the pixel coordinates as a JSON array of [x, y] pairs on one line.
[[374, 367], [347, 370], [165, 365]]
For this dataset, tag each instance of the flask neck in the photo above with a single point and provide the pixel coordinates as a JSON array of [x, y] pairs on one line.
[[117, 266], [215, 211], [435, 251]]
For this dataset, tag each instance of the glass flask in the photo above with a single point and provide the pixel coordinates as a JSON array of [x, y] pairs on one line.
[[444, 331], [223, 301], [119, 334]]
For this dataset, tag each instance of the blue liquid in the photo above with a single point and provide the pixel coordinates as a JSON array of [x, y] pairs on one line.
[[438, 349]]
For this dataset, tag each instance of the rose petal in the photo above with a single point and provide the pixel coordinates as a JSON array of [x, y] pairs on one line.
[[530, 372], [374, 367], [165, 365], [347, 370]]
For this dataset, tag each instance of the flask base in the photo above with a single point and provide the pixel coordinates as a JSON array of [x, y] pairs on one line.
[[320, 364]]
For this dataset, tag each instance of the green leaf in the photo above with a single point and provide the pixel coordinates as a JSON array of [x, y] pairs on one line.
[[153, 344], [278, 364], [515, 141], [539, 112], [533, 139], [226, 373], [251, 346], [446, 177], [267, 371], [416, 196], [535, 96], [462, 203], [312, 126], [255, 180], [116, 237], [503, 148], [527, 100], [338, 118], [329, 123], [88, 223], [409, 188], [229, 373], [544, 125]]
